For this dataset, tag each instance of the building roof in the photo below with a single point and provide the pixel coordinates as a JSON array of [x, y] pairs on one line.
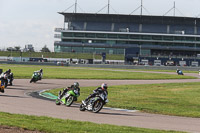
[[120, 18]]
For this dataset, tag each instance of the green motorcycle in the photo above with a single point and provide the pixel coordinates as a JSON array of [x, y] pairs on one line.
[[35, 77], [67, 98]]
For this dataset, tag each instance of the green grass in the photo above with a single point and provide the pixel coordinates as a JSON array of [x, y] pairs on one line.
[[25, 71], [179, 99], [53, 125], [184, 71], [62, 55]]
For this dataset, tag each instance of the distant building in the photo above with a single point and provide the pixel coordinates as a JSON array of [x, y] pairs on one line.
[[136, 36], [28, 48]]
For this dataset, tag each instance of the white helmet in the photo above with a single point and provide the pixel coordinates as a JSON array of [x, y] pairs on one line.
[[76, 84], [104, 86]]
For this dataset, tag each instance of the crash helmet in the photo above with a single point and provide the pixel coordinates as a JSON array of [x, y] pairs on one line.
[[41, 70], [104, 86], [9, 70], [76, 84]]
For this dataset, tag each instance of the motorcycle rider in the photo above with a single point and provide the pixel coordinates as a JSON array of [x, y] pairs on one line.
[[5, 76], [8, 72], [99, 90], [40, 73], [3, 79], [179, 71], [74, 87]]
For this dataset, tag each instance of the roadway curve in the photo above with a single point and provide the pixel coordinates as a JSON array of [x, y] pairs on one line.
[[16, 99]]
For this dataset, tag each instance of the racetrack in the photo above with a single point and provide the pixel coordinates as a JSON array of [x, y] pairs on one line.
[[16, 99]]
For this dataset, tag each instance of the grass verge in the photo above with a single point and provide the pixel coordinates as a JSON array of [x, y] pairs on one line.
[[25, 71], [179, 99], [62, 55], [53, 125]]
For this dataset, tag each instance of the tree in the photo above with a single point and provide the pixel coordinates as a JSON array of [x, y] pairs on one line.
[[17, 48], [45, 49]]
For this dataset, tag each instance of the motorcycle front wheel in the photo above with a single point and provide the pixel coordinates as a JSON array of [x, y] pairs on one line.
[[97, 106], [31, 80], [69, 101], [82, 108], [58, 102]]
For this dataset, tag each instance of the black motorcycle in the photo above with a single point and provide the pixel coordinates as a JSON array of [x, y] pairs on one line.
[[95, 104]]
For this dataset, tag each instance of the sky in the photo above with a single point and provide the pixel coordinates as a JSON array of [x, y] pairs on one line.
[[33, 21]]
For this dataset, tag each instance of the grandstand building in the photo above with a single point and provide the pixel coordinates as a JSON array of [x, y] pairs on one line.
[[172, 40]]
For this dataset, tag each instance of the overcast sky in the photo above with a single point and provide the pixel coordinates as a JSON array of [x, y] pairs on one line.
[[33, 21]]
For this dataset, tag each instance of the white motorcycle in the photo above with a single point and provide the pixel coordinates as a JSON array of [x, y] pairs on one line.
[[95, 104]]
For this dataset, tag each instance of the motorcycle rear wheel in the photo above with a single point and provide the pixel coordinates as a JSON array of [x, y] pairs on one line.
[[97, 106]]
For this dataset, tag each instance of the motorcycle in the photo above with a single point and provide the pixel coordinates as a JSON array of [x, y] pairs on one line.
[[67, 98], [95, 104], [180, 72], [2, 86], [4, 79], [35, 77]]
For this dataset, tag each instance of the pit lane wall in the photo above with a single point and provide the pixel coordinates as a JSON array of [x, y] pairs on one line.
[[118, 66]]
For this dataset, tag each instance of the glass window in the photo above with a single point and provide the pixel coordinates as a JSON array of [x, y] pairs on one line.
[[135, 36], [112, 35], [190, 39], [90, 35], [99, 41], [79, 34], [170, 38], [101, 35], [198, 39], [119, 51], [68, 40], [122, 42], [111, 42], [88, 49], [77, 40], [99, 50], [190, 45], [66, 49], [146, 37], [66, 34], [157, 37], [123, 36], [179, 38], [77, 49]]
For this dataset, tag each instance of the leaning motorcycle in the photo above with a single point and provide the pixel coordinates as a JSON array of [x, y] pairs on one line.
[[4, 79], [95, 104], [68, 98], [35, 77], [180, 72], [2, 86]]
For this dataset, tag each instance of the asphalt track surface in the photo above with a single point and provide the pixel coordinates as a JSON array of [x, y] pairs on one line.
[[17, 99]]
